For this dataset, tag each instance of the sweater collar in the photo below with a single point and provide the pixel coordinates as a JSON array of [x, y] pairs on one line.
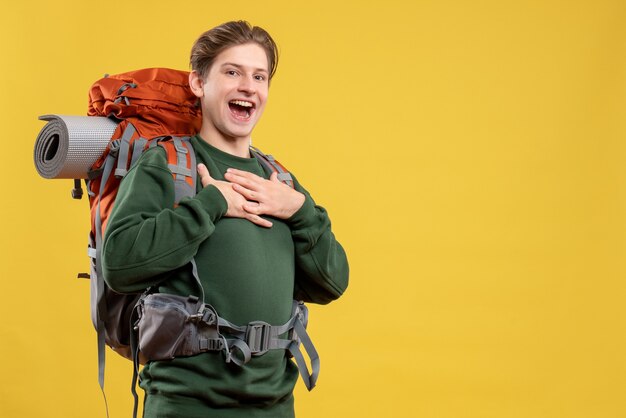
[[230, 160]]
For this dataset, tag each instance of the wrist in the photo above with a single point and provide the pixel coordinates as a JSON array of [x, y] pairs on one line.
[[303, 214], [298, 202], [213, 201]]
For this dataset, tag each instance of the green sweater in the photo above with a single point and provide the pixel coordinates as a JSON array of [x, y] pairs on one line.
[[248, 272]]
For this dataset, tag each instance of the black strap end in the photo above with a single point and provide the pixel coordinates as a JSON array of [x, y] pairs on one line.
[[77, 191]]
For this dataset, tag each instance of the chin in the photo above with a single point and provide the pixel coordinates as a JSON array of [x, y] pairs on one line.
[[235, 135], [238, 133]]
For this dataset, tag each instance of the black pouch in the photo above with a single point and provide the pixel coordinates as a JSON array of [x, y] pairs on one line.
[[175, 326]]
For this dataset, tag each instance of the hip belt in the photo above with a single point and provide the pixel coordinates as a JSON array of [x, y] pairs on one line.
[[169, 326]]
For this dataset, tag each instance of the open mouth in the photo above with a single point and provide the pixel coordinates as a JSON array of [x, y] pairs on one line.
[[241, 109]]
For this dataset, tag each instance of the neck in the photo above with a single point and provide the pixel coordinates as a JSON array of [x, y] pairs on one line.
[[239, 147]]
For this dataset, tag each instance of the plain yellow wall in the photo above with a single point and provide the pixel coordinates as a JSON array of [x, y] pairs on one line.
[[471, 155]]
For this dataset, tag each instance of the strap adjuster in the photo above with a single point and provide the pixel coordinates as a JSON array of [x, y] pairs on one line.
[[258, 337], [180, 147], [211, 344]]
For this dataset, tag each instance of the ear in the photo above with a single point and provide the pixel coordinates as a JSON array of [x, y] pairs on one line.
[[196, 83]]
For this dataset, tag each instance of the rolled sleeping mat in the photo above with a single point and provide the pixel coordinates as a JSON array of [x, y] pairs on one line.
[[68, 146]]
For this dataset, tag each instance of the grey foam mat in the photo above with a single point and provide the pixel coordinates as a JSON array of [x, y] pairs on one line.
[[67, 146]]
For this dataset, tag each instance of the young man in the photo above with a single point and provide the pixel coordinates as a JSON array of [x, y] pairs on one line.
[[257, 243]]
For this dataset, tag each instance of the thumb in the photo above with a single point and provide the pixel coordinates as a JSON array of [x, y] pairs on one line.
[[205, 177], [274, 177]]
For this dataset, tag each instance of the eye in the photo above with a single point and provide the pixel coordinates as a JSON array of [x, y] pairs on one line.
[[231, 72], [259, 77]]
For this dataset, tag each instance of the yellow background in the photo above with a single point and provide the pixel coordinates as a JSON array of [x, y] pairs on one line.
[[471, 155]]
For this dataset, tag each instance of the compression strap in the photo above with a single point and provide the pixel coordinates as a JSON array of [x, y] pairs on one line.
[[124, 150]]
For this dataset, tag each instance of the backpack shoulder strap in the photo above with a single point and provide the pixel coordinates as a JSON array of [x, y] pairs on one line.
[[272, 165], [181, 160]]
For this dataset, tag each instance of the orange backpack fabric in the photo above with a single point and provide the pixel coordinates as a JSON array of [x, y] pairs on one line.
[[157, 102]]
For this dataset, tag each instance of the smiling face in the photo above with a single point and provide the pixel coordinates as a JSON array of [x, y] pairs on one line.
[[234, 94]]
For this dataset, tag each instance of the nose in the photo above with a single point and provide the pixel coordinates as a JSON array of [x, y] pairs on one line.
[[246, 85]]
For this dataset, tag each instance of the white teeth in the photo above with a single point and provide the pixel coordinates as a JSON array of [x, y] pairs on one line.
[[242, 103]]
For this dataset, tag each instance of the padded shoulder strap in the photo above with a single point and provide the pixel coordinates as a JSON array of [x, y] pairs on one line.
[[181, 160], [272, 165]]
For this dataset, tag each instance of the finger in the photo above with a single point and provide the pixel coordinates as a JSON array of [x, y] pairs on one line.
[[274, 177], [259, 221], [243, 173], [203, 172], [247, 193], [253, 208], [246, 175], [249, 183]]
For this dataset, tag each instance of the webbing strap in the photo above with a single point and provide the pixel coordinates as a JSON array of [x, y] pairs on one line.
[[179, 171], [134, 349], [133, 390], [183, 172], [194, 271], [310, 379], [138, 147], [272, 165], [97, 283], [122, 159], [101, 353], [243, 348], [284, 177], [258, 330], [193, 164], [181, 157], [259, 337]]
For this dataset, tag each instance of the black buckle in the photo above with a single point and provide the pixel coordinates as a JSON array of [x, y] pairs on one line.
[[211, 344], [258, 337], [206, 314]]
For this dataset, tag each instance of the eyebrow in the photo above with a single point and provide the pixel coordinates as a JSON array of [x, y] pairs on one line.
[[241, 67]]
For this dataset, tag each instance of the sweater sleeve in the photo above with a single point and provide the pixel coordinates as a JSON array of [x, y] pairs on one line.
[[146, 236], [321, 263]]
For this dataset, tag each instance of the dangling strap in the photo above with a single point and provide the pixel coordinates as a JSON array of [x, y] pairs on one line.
[[98, 303], [133, 384], [310, 379], [134, 349]]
